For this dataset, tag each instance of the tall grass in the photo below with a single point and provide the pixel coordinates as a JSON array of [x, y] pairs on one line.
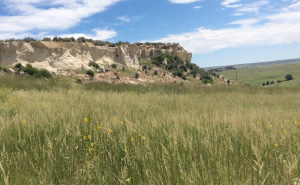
[[164, 135]]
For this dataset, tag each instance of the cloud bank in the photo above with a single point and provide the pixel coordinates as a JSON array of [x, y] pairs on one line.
[[40, 15], [282, 27]]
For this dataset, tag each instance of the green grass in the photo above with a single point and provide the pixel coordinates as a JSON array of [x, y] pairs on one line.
[[182, 134], [257, 75]]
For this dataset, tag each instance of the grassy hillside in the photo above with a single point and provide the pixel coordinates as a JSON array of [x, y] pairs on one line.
[[123, 134], [257, 75]]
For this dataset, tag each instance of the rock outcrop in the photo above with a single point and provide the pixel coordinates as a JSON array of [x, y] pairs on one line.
[[56, 56]]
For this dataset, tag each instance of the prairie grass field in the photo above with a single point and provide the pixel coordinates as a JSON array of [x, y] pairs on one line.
[[255, 76], [59, 132]]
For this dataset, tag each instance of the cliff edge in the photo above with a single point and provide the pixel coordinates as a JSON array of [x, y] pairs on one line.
[[61, 56]]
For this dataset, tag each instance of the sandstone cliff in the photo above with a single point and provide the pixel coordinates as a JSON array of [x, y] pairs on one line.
[[56, 56]]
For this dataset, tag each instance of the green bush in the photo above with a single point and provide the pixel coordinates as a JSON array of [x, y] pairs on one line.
[[137, 75], [90, 73], [47, 39], [114, 66], [145, 67], [184, 68], [179, 73], [79, 81], [155, 73], [18, 66], [267, 83], [123, 69], [36, 72], [288, 77], [44, 73], [263, 84], [30, 70], [272, 82], [94, 64]]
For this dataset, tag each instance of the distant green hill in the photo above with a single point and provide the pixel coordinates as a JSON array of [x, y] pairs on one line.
[[258, 64], [255, 76]]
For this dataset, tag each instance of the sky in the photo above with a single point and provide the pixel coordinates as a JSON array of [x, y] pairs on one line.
[[217, 32]]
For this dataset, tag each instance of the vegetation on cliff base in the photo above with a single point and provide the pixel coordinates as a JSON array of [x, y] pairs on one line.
[[179, 68]]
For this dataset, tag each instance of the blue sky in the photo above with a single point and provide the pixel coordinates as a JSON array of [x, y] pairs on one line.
[[217, 32]]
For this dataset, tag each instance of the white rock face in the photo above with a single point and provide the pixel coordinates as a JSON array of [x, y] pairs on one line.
[[56, 56]]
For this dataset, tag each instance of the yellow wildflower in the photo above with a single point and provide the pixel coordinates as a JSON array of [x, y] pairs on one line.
[[296, 122], [92, 144], [276, 145], [85, 120], [121, 122], [224, 142], [115, 119], [287, 121], [132, 139], [284, 131], [90, 150], [110, 130], [90, 137], [259, 130], [282, 126], [84, 137], [270, 126], [99, 128], [23, 121], [143, 137]]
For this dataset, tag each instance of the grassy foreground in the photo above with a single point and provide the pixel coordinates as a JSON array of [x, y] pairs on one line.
[[97, 134]]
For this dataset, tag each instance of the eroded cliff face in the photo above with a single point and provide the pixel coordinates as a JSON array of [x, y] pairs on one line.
[[56, 56]]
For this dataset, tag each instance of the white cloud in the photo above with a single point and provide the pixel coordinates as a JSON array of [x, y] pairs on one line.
[[183, 1], [41, 15], [246, 22], [244, 8], [128, 19], [228, 2], [124, 18], [99, 34], [279, 28], [197, 7]]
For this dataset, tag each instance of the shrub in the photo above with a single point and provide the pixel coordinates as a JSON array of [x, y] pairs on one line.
[[155, 73], [263, 84], [145, 67], [123, 68], [44, 73], [79, 81], [179, 73], [94, 64], [36, 72], [278, 81], [46, 39], [184, 77], [184, 68], [137, 75], [267, 83], [29, 39], [228, 82], [90, 73], [18, 66], [114, 66], [272, 82], [288, 77], [30, 70]]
